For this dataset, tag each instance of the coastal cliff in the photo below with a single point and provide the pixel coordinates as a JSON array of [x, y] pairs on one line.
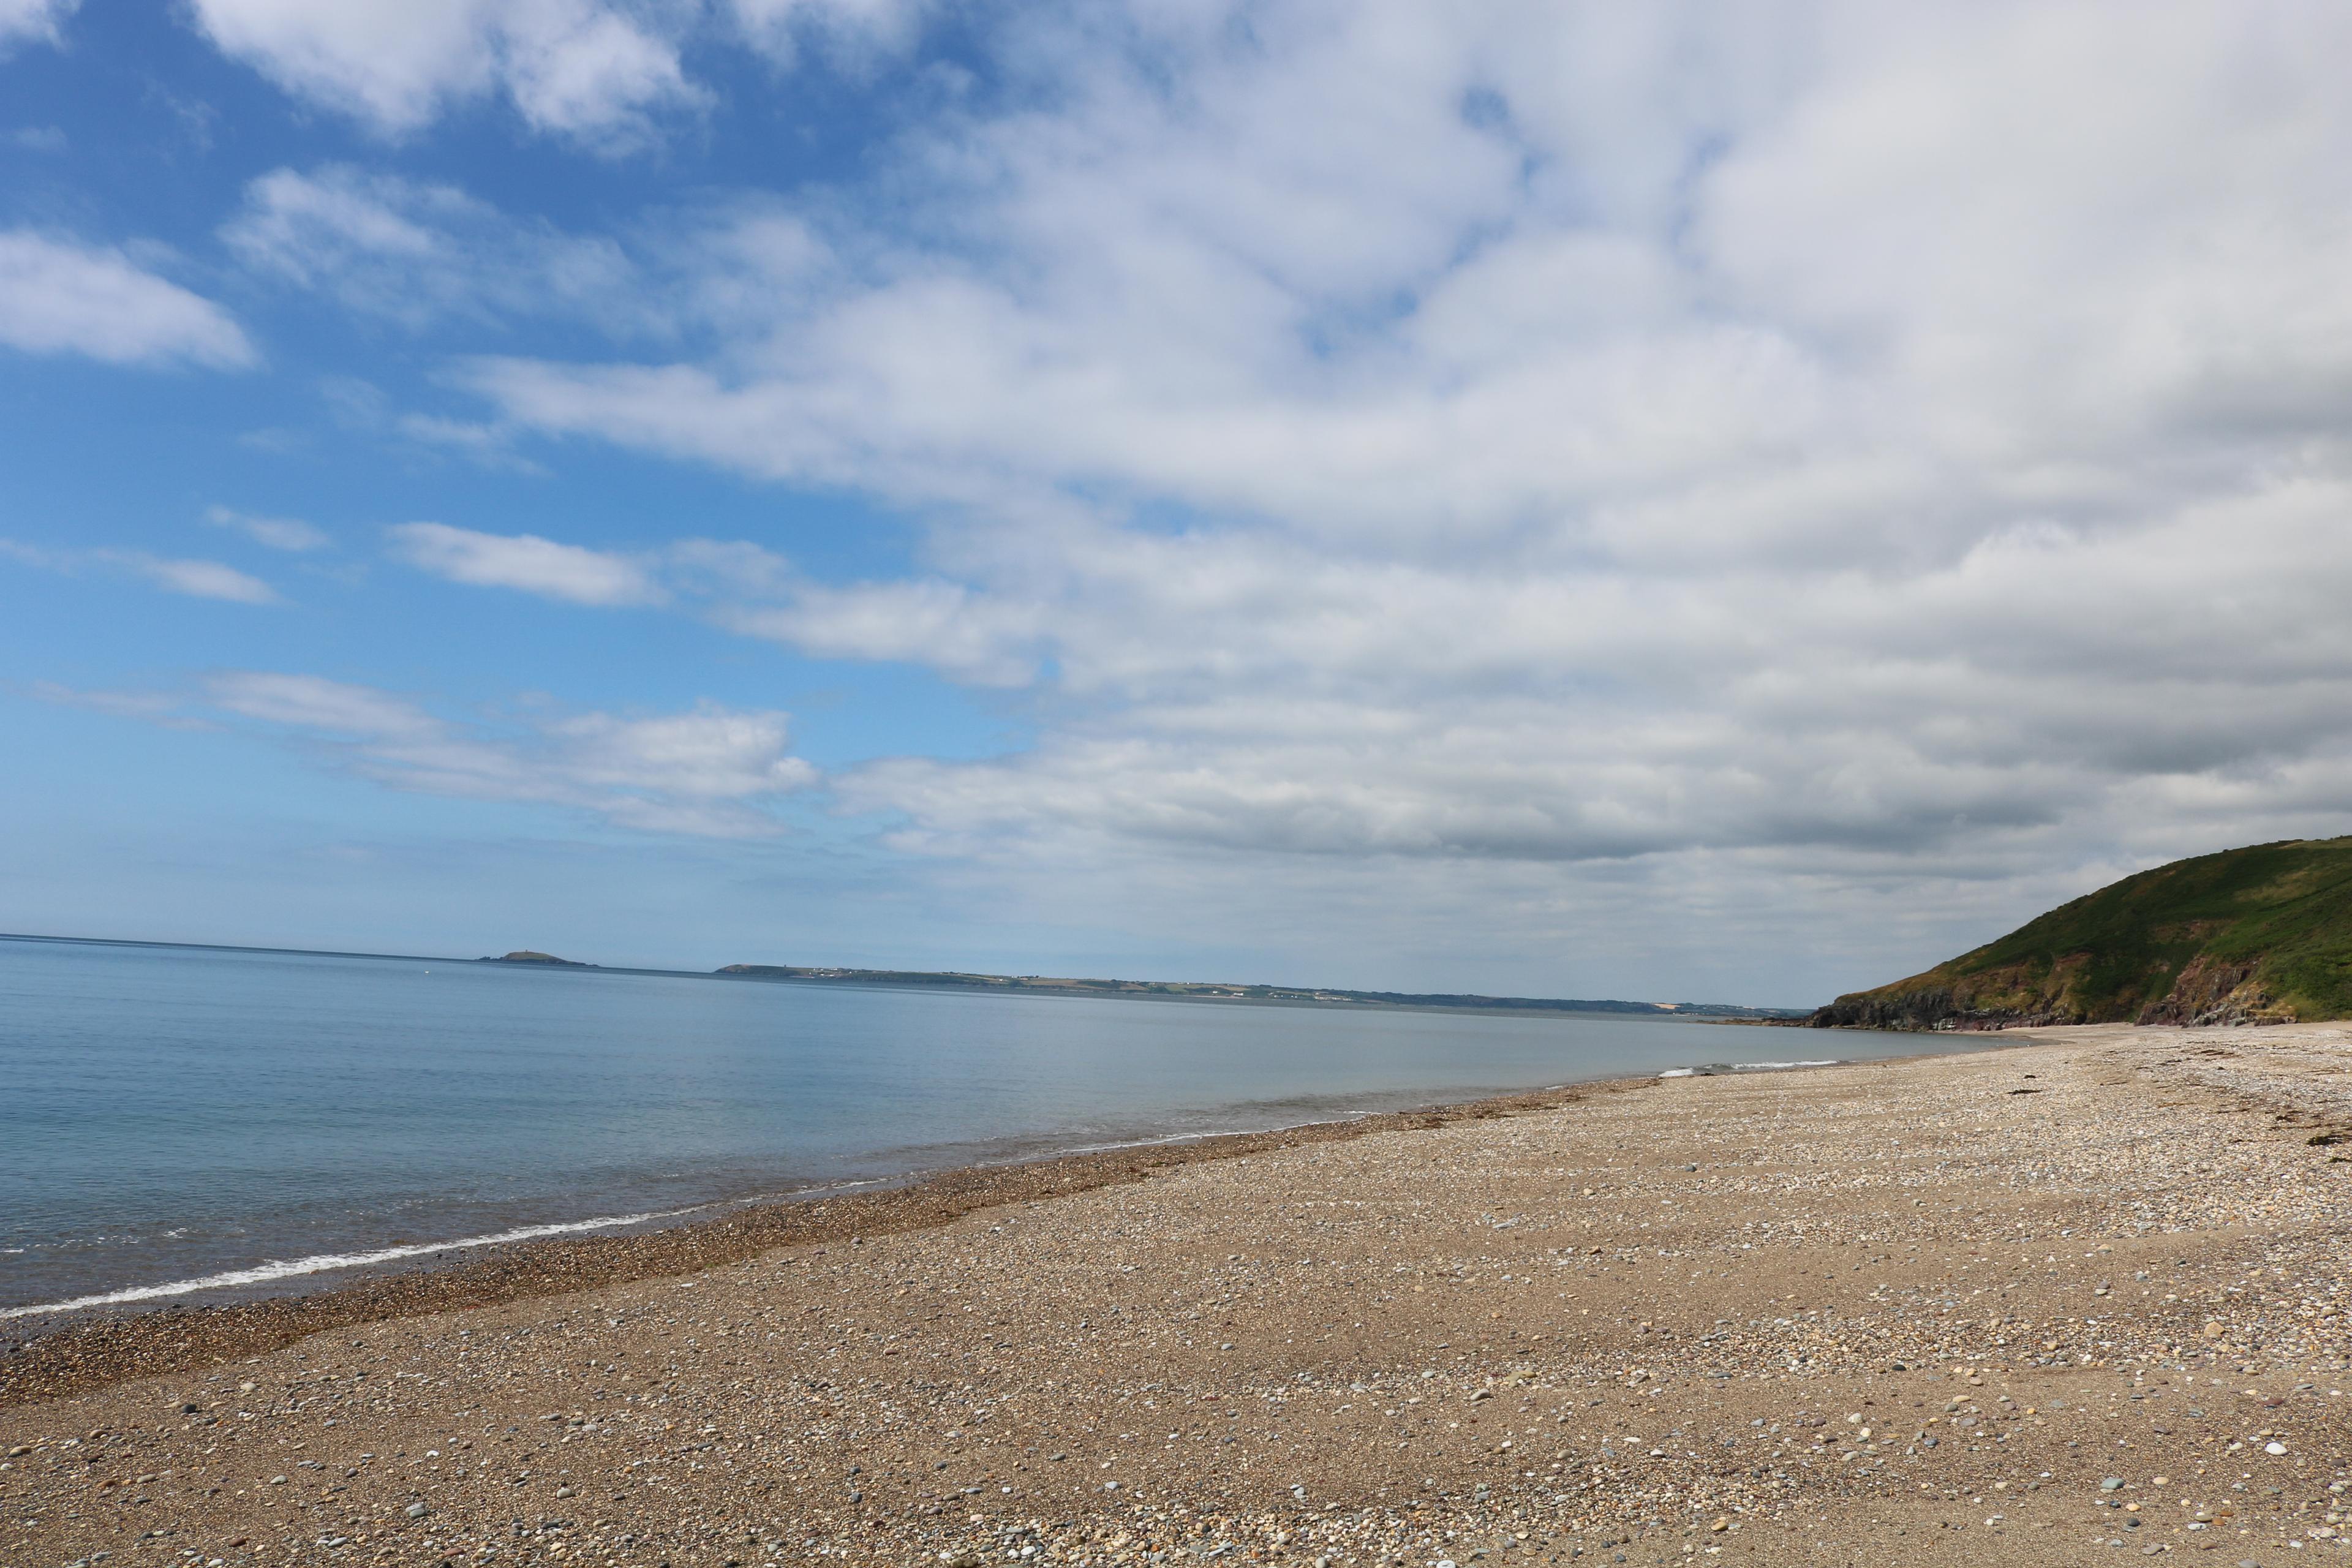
[[2258, 935]]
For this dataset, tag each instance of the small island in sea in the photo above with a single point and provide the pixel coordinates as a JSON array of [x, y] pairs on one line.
[[524, 955]]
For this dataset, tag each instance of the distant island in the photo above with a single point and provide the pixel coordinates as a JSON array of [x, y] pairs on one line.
[[542, 960], [1216, 991], [2258, 935]]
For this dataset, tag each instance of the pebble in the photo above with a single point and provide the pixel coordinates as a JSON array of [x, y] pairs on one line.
[[1506, 1339]]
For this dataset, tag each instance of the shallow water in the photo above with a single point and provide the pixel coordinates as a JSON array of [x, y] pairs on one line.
[[168, 1115]]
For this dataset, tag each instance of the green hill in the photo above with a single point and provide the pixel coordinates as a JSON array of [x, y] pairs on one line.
[[2256, 935]]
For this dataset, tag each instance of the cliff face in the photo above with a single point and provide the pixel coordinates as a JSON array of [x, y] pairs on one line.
[[1928, 1008], [2256, 935]]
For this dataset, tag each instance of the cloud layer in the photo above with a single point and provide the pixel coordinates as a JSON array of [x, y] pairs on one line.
[[1522, 464], [1564, 435]]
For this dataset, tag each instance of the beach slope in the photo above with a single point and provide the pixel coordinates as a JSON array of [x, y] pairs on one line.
[[2073, 1301]]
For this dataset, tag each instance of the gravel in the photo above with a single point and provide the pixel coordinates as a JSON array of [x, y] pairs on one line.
[[1887, 1313]]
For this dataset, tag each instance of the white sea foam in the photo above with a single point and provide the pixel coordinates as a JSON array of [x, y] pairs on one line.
[[321, 1263], [1745, 1067]]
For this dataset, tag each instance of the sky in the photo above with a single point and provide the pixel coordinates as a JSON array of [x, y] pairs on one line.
[[1683, 502]]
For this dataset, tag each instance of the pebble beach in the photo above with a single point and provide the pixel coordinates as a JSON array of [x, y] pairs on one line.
[[2081, 1296]]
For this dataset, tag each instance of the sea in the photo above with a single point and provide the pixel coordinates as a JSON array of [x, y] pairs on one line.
[[185, 1124]]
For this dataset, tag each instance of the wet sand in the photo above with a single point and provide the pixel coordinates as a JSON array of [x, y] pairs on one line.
[[2053, 1303]]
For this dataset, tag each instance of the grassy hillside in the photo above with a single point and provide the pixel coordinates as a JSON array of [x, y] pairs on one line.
[[2255, 935]]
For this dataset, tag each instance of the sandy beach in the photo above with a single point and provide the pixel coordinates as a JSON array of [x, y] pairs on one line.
[[2082, 1298]]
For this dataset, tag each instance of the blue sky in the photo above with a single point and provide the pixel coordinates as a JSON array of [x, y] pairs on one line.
[[1693, 503]]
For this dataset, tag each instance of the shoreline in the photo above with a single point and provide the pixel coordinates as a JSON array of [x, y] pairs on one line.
[[88, 1342], [2091, 1292], [67, 1348], [240, 1282]]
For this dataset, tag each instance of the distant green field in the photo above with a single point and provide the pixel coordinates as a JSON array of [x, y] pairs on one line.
[[2256, 935]]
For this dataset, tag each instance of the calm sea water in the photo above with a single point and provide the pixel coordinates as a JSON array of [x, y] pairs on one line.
[[169, 1116]]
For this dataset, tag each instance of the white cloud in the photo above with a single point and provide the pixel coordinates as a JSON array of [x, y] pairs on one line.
[[311, 702], [417, 252], [194, 579], [41, 21], [485, 444], [60, 296], [856, 30], [987, 642], [525, 562], [197, 579], [710, 754], [571, 66], [287, 533], [600, 71], [430, 256], [712, 772], [753, 592]]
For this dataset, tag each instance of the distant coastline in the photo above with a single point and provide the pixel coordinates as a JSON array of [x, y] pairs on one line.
[[1220, 991], [1034, 984]]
